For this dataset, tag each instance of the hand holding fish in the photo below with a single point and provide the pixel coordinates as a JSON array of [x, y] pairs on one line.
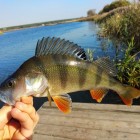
[[18, 122]]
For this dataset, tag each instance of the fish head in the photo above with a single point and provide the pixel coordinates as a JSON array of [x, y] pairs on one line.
[[15, 87], [11, 89]]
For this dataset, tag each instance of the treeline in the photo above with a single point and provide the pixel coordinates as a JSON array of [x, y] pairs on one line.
[[37, 24]]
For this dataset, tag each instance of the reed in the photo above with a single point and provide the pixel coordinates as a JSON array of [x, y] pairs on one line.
[[129, 66]]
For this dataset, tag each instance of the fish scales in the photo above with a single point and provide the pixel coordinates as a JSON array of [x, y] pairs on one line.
[[71, 75], [66, 75]]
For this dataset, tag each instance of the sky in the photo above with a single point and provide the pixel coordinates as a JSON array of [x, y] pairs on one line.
[[19, 12]]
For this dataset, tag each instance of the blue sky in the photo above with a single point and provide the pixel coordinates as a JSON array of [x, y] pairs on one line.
[[18, 12]]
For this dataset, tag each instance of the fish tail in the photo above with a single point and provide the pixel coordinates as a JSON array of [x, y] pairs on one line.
[[128, 94]]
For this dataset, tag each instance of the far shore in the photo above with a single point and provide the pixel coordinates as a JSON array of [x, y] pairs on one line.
[[6, 29]]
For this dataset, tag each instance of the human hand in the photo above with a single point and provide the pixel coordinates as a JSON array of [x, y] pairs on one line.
[[18, 122]]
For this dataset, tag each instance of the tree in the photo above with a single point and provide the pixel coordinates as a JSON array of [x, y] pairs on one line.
[[114, 5], [91, 12]]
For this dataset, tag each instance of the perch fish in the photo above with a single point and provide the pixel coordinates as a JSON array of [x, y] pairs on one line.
[[60, 67]]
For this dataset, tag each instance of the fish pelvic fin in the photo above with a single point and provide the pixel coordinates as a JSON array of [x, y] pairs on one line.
[[98, 94], [63, 102], [129, 94]]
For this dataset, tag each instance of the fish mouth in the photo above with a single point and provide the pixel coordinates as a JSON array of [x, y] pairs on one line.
[[6, 99]]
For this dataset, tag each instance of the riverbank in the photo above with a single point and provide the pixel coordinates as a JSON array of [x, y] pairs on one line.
[[48, 23]]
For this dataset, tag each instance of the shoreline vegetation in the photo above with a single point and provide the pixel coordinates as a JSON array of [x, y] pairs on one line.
[[121, 26]]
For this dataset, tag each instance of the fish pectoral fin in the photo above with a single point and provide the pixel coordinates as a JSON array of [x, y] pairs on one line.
[[63, 102], [98, 94]]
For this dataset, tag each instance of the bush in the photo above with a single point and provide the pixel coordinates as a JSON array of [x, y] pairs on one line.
[[91, 13], [114, 5]]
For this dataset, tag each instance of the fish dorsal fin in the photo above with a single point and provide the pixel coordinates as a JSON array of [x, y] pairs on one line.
[[107, 65], [59, 46]]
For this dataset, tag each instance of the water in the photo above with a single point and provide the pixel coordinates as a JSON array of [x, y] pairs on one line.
[[17, 46]]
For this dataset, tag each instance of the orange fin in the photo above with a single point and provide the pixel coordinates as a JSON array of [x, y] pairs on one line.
[[129, 94], [98, 94], [63, 102], [127, 101]]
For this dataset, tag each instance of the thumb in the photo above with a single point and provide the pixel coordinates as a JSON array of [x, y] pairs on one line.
[[5, 115]]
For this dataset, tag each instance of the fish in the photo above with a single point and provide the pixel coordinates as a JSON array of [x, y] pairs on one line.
[[60, 67]]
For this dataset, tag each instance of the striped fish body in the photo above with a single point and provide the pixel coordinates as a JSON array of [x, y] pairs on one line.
[[65, 74], [60, 67]]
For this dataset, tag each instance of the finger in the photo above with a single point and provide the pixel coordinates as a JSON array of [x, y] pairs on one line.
[[27, 100], [5, 115], [29, 109], [27, 124], [13, 126]]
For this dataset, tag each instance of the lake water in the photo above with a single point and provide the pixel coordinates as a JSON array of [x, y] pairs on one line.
[[17, 46]]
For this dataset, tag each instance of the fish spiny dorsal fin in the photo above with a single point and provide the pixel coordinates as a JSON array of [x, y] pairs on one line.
[[108, 66], [59, 46]]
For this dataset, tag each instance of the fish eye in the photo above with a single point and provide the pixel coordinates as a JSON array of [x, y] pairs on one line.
[[11, 83]]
